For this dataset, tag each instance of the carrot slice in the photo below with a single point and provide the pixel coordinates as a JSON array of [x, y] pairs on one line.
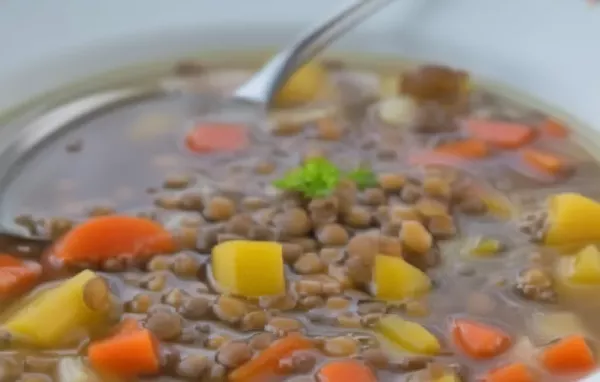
[[127, 355], [267, 362], [110, 236], [506, 135], [479, 340], [553, 128], [569, 355], [344, 371], [207, 138], [17, 276], [467, 149], [516, 372], [544, 161]]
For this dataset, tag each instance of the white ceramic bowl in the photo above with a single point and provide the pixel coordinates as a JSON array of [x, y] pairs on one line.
[[546, 48]]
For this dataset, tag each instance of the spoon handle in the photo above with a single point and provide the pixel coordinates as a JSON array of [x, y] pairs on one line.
[[261, 88]]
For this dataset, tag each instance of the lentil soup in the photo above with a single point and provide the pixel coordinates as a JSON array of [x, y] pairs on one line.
[[398, 224]]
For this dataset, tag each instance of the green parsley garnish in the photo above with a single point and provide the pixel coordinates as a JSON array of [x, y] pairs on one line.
[[363, 177], [317, 177]]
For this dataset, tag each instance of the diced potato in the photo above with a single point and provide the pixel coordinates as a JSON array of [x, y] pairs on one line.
[[415, 236], [49, 318], [304, 86], [498, 206], [552, 325], [400, 111], [586, 266], [409, 335], [72, 369], [570, 292], [485, 247], [448, 377], [572, 218], [395, 279], [249, 268]]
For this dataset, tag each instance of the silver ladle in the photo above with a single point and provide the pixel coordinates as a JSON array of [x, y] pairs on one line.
[[248, 104]]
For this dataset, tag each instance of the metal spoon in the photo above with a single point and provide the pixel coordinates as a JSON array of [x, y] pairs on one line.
[[251, 100], [247, 105]]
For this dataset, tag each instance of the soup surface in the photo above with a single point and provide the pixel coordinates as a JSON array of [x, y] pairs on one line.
[[395, 224]]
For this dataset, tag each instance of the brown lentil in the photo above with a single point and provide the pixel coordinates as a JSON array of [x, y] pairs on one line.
[[340, 346], [293, 222], [283, 325], [165, 325], [219, 208], [234, 354], [230, 309], [193, 366], [309, 263], [261, 341], [195, 308], [332, 235], [191, 202]]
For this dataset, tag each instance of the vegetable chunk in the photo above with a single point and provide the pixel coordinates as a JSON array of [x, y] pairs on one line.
[[111, 236], [16, 276], [126, 354], [479, 341], [249, 268], [396, 279], [569, 355], [267, 362], [573, 219], [409, 335], [342, 371], [586, 266], [304, 85], [32, 321]]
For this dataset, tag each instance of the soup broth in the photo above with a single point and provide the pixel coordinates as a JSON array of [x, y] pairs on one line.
[[397, 223]]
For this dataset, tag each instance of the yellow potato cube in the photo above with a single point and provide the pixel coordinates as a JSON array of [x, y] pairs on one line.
[[572, 218], [586, 266], [395, 279], [304, 85], [448, 377], [549, 326], [49, 318], [249, 268], [409, 335]]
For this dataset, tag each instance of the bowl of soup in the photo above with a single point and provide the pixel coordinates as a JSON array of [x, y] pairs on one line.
[[423, 209]]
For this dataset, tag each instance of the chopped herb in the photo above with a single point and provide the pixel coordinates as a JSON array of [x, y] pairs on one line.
[[318, 177], [363, 177]]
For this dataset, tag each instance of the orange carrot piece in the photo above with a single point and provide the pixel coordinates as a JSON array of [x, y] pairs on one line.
[[344, 371], [479, 340], [555, 129], [17, 276], [544, 161], [433, 158], [506, 135], [516, 372], [467, 149], [267, 362], [110, 236], [126, 355], [569, 355], [207, 138]]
